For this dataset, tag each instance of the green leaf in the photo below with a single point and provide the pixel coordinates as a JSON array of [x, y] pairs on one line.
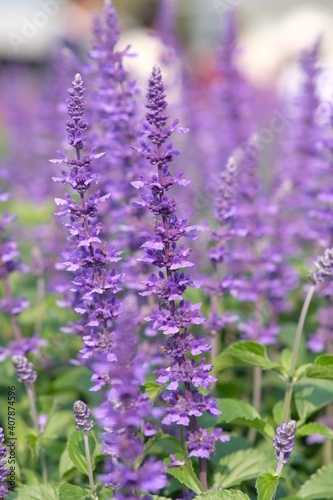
[[233, 409], [40, 492], [312, 394], [233, 469], [245, 353], [79, 378], [322, 367], [314, 428], [185, 474], [32, 440], [65, 464], [156, 497], [31, 477], [320, 485], [286, 358], [76, 450], [57, 424], [222, 494], [266, 485], [69, 491], [153, 390], [277, 412], [242, 413]]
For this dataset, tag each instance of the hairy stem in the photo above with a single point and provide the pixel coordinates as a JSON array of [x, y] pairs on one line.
[[289, 390], [32, 399], [90, 473], [256, 398]]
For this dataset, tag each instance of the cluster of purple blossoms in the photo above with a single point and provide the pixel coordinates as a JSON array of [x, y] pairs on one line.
[[114, 115], [284, 441], [4, 471], [302, 167], [185, 374], [215, 286], [243, 245], [94, 285], [107, 347]]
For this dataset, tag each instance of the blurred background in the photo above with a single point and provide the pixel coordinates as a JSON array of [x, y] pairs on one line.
[[272, 32]]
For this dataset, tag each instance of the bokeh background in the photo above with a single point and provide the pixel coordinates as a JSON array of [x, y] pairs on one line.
[[272, 32]]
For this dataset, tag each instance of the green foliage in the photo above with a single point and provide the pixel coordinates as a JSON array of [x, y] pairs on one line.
[[245, 353], [241, 466], [312, 394], [266, 485], [222, 494], [69, 491], [153, 390], [185, 473], [240, 412], [319, 486], [36, 492], [322, 367], [314, 428], [76, 450]]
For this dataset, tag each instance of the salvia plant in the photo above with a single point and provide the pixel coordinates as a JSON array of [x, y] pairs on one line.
[[167, 333]]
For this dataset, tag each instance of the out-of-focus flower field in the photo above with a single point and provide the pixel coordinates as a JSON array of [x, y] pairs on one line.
[[166, 263]]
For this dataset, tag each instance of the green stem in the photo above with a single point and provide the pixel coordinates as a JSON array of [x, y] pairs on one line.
[[290, 383], [90, 473], [32, 399], [256, 398]]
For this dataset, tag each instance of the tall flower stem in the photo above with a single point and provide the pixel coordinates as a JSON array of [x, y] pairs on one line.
[[90, 473], [32, 400], [290, 383], [257, 379]]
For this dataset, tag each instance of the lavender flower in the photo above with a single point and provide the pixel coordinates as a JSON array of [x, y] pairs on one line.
[[115, 113], [162, 251], [94, 284], [25, 370], [81, 415], [245, 222], [284, 441], [108, 350], [303, 166]]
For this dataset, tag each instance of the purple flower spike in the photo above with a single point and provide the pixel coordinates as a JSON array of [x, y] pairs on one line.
[[284, 440], [174, 316], [81, 414], [25, 370]]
